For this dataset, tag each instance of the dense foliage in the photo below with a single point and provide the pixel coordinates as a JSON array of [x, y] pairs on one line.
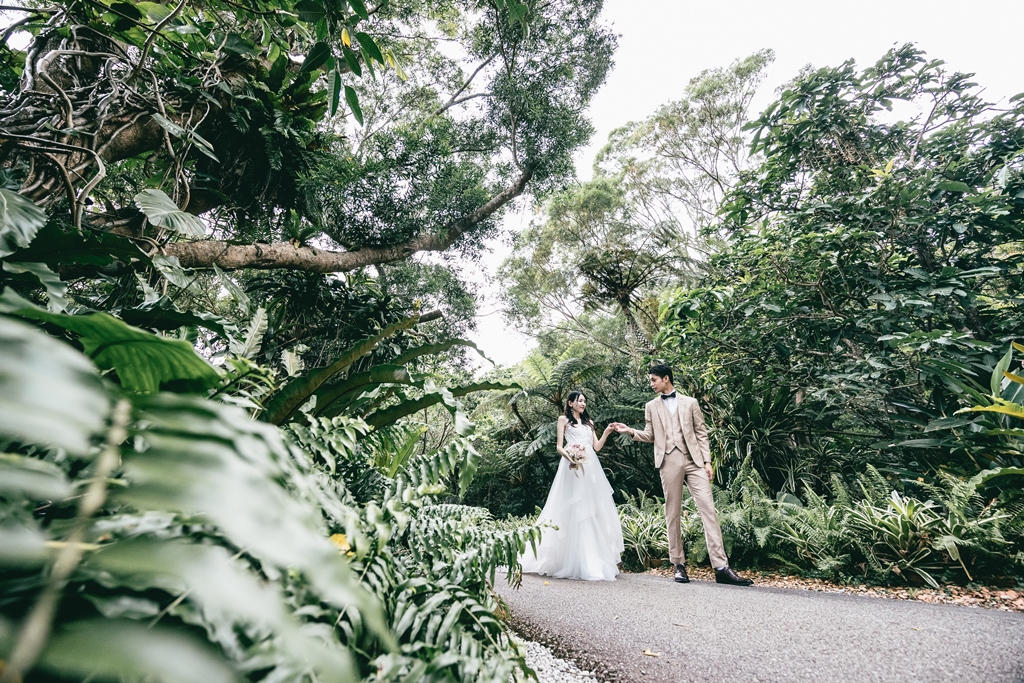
[[221, 460], [235, 434], [851, 289]]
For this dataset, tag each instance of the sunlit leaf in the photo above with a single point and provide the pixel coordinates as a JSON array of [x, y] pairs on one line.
[[163, 212], [144, 362]]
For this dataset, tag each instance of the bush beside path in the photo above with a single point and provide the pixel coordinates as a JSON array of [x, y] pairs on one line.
[[644, 627]]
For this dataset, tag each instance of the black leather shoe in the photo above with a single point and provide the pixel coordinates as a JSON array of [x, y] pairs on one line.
[[681, 576], [727, 575]]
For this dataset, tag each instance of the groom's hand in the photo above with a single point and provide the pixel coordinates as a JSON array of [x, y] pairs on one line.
[[707, 468]]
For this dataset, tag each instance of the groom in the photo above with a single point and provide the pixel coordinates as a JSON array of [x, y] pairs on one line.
[[681, 453]]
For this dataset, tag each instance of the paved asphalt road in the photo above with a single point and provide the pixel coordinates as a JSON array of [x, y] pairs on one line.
[[720, 634]]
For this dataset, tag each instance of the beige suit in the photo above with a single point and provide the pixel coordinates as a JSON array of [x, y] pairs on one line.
[[680, 450]]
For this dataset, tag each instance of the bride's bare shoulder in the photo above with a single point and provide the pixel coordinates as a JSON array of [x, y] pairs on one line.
[[562, 419]]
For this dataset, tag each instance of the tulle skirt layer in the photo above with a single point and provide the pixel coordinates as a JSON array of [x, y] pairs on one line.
[[587, 543]]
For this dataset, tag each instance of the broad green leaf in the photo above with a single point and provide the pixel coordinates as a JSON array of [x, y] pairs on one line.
[[366, 42], [788, 499], [353, 62], [310, 11], [1001, 406], [402, 453], [163, 212], [20, 220], [161, 314], [337, 396], [170, 268], [987, 477], [949, 423], [359, 8], [997, 373], [50, 394], [127, 10], [334, 87], [103, 649], [396, 64], [55, 247], [954, 186], [144, 362], [56, 290], [317, 57], [353, 103]]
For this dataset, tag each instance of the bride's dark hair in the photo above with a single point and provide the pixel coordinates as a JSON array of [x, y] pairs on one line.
[[584, 416]]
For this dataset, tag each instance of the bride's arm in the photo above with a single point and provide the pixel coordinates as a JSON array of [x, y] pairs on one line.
[[559, 441], [599, 443]]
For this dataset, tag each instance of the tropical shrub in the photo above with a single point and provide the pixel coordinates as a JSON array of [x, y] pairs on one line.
[[866, 259], [151, 532], [643, 531]]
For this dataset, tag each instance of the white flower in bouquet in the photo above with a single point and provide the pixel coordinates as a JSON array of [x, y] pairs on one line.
[[578, 456]]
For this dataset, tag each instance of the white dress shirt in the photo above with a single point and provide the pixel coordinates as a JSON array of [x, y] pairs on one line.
[[672, 403]]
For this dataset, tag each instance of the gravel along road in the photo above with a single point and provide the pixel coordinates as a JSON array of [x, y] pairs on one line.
[[644, 628]]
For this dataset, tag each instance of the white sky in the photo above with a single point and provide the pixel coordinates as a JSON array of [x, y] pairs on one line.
[[665, 43]]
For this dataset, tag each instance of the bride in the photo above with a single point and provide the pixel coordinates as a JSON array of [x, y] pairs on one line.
[[588, 540]]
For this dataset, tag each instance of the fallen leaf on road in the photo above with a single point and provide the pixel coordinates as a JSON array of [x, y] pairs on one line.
[[915, 628], [547, 583], [675, 624], [652, 654]]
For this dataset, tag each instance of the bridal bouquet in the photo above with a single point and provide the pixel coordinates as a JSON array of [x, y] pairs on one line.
[[578, 456]]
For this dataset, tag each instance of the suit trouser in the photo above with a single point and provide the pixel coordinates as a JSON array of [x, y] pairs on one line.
[[676, 468]]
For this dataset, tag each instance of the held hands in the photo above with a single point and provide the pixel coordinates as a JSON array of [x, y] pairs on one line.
[[620, 428]]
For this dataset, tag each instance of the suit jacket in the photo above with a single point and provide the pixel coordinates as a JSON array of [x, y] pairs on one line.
[[691, 421]]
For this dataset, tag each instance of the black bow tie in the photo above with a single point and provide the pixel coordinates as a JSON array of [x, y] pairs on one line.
[[665, 397]]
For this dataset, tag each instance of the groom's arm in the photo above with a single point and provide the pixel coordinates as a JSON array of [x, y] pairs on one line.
[[701, 432], [647, 435]]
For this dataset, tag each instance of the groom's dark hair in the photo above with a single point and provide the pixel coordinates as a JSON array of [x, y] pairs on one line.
[[661, 371]]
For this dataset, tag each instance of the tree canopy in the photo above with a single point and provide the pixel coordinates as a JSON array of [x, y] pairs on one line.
[[389, 130]]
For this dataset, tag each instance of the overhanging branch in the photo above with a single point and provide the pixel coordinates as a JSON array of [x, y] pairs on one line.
[[284, 255]]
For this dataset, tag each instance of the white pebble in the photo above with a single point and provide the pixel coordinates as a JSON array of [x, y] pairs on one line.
[[551, 669]]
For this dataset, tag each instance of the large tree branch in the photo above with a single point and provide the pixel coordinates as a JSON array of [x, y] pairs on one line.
[[284, 255]]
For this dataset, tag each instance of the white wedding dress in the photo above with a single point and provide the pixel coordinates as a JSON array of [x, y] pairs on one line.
[[588, 541]]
